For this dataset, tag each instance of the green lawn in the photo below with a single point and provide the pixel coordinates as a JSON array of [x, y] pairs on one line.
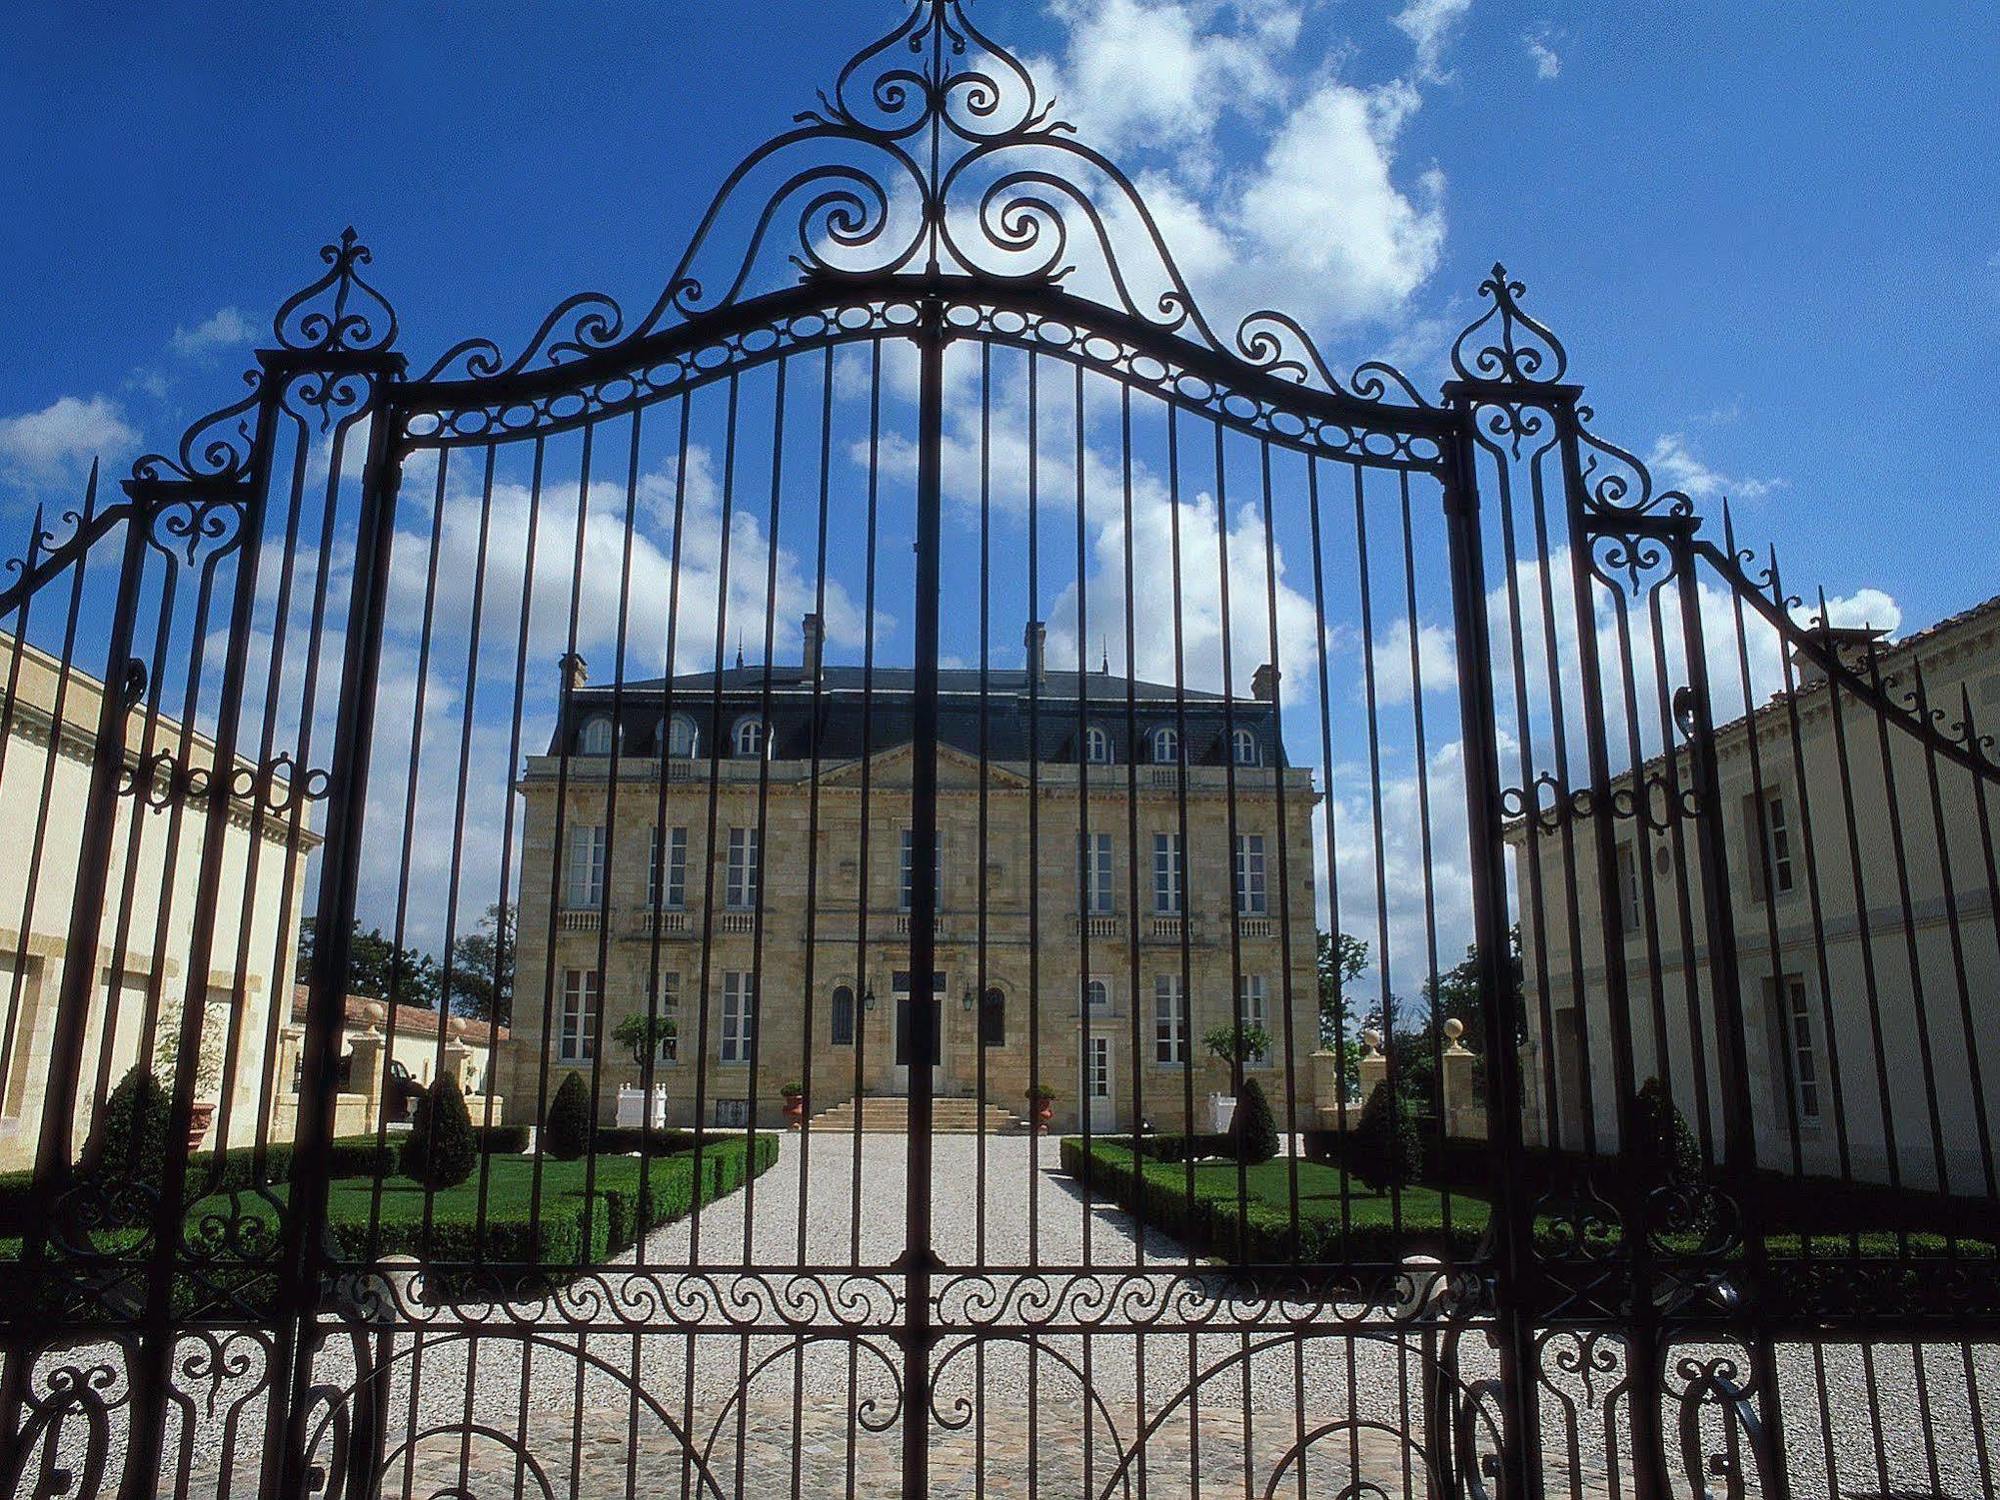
[[471, 1237]]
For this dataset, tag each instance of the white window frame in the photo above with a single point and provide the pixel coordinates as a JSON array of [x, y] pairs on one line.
[[672, 896], [1777, 843], [1170, 1021], [1097, 894], [1628, 887], [906, 887], [1246, 749], [1165, 745], [745, 875], [667, 1007], [679, 738], [594, 736], [576, 1037], [1253, 890], [1256, 1008], [1169, 875], [1097, 746], [739, 1016], [1097, 998], [583, 867], [750, 738], [1796, 1043]]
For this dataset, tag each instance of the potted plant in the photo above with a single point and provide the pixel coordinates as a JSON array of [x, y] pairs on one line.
[[644, 1037], [1042, 1104], [1232, 1045], [207, 1068], [795, 1103]]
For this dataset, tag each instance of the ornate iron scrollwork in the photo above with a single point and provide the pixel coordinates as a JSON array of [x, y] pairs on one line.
[[340, 313], [1505, 344]]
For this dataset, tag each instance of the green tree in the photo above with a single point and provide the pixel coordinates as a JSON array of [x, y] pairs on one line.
[[440, 1151], [1342, 959], [1234, 1044], [482, 969], [377, 968], [566, 1131], [1252, 1128]]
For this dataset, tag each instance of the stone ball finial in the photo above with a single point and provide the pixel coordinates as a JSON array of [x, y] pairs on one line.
[[455, 1028], [1372, 1039], [374, 1012], [1454, 1029]]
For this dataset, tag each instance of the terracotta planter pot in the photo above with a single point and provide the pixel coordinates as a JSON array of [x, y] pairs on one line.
[[200, 1115], [795, 1110]]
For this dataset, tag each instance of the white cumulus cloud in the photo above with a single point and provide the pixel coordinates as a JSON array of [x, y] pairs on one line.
[[1307, 206], [225, 328], [65, 434], [1542, 51], [1677, 467], [1431, 24]]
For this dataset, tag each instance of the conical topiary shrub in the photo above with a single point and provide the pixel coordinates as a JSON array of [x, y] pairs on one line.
[[131, 1135], [1252, 1127], [1664, 1151], [1666, 1165], [440, 1152], [566, 1131], [1386, 1150]]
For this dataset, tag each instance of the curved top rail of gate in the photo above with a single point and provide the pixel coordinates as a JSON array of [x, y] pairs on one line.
[[934, 169]]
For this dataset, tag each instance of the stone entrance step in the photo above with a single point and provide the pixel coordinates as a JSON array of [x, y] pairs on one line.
[[887, 1114]]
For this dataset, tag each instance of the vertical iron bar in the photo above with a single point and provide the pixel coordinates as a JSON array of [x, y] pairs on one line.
[[340, 871], [1739, 1144], [918, 1257], [1643, 1357], [1513, 1207]]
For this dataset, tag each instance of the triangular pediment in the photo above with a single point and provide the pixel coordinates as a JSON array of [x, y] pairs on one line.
[[893, 769]]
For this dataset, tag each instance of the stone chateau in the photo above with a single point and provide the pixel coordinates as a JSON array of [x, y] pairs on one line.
[[732, 854]]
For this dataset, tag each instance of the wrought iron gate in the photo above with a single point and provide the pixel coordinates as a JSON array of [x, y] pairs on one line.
[[1182, 708]]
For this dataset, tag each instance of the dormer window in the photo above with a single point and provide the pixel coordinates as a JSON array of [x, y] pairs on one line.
[[595, 736], [678, 737], [1097, 746], [749, 738], [1166, 745], [1246, 749]]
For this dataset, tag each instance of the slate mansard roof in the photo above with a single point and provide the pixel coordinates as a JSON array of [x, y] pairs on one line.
[[859, 711]]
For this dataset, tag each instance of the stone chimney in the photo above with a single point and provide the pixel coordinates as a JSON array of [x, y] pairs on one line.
[[1848, 644], [814, 630], [575, 671], [1036, 639], [1264, 683]]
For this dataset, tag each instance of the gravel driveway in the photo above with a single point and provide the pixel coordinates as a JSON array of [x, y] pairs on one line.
[[481, 1402]]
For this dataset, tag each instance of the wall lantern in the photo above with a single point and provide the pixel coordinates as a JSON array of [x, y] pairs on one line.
[[868, 999], [970, 1000]]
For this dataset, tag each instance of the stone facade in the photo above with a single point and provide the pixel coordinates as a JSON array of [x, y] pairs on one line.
[[822, 934], [1866, 949], [50, 720]]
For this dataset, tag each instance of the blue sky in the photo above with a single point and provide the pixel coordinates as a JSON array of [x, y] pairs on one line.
[[1772, 248]]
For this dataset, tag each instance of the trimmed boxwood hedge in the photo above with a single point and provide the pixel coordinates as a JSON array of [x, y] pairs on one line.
[[1200, 1147], [501, 1140], [565, 1230], [1205, 1210]]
